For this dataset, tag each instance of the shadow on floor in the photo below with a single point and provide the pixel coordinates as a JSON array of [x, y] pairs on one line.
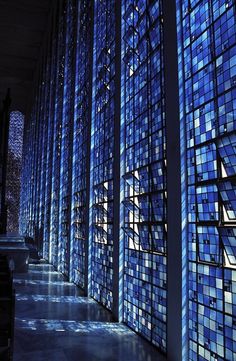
[[54, 321]]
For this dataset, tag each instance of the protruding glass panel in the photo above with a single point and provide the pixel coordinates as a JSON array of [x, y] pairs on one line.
[[144, 178], [81, 139], [207, 58], [102, 156]]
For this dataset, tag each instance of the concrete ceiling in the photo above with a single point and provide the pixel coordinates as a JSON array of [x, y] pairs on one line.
[[22, 27]]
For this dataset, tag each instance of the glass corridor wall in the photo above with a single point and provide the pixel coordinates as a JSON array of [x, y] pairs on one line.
[[143, 125], [58, 49], [208, 60], [66, 138], [70, 168], [102, 153], [51, 74], [81, 142]]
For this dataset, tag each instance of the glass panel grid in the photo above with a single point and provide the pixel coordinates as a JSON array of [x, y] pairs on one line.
[[144, 143], [66, 138], [81, 138], [103, 153], [51, 75], [208, 62], [55, 193]]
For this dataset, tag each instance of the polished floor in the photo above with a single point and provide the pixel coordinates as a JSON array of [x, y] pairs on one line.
[[54, 321]]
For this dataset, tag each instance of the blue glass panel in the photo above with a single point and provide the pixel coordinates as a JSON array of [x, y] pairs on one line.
[[201, 52], [220, 7], [67, 127], [206, 167], [144, 175], [50, 96], [226, 70], [82, 118], [224, 31], [209, 244], [228, 237], [103, 153], [204, 123], [55, 192], [207, 203], [228, 195], [230, 298], [227, 111], [207, 58], [227, 146]]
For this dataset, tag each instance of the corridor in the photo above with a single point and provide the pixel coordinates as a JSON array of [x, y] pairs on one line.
[[54, 321]]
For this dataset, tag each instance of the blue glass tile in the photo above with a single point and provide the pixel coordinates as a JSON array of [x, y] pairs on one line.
[[207, 203], [81, 137], [209, 244], [228, 194], [206, 162], [227, 146], [206, 37], [145, 174], [228, 237], [103, 152], [67, 126]]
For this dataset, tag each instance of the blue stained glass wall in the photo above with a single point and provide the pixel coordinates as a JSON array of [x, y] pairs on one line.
[[55, 192], [39, 158], [103, 152], [82, 118], [28, 178], [44, 113], [13, 182], [208, 60], [66, 138], [51, 74], [69, 173], [30, 171], [33, 182], [144, 178]]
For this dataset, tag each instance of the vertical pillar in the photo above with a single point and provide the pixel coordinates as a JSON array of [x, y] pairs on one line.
[[87, 235], [116, 235], [50, 134], [71, 135], [90, 164], [174, 232]]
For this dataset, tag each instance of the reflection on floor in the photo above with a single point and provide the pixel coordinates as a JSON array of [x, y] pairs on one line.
[[54, 321]]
